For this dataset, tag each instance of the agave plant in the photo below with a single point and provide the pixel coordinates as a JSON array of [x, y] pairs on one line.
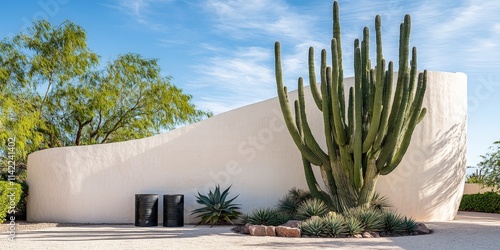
[[311, 207], [353, 226], [315, 226], [216, 209], [263, 216], [289, 204], [334, 224], [396, 223], [371, 219]]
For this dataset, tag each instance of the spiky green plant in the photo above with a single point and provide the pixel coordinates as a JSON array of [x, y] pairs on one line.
[[282, 218], [366, 136], [353, 226], [311, 207], [371, 219], [395, 223], [292, 200], [334, 225], [315, 226], [263, 216], [379, 202], [411, 224], [216, 209]]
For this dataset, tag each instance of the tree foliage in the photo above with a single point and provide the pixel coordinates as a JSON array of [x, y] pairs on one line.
[[53, 92], [490, 167]]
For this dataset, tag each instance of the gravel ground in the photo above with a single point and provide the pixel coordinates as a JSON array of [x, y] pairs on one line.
[[468, 231]]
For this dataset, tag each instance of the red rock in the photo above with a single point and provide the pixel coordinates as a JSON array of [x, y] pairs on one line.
[[257, 230], [283, 231], [270, 231]]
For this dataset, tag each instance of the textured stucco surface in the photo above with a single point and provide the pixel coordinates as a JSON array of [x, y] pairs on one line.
[[250, 149]]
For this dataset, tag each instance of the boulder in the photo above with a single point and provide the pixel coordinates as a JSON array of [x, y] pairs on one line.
[[367, 235], [292, 223], [247, 228], [283, 231], [422, 228], [257, 230], [270, 231]]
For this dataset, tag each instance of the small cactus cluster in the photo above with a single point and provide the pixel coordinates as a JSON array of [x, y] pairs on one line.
[[366, 133]]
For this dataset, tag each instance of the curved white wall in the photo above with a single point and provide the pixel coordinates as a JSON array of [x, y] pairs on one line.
[[250, 149]]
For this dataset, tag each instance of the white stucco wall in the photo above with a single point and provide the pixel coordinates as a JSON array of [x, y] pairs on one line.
[[250, 149]]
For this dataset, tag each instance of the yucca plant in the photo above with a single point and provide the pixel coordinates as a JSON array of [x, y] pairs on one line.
[[263, 216], [315, 226], [216, 209], [311, 207], [395, 223], [411, 224], [371, 219], [334, 224]]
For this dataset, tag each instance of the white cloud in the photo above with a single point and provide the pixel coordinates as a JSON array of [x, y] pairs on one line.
[[465, 39], [140, 11], [242, 19]]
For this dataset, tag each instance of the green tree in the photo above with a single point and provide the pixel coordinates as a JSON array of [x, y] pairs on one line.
[[129, 99], [490, 167], [53, 95]]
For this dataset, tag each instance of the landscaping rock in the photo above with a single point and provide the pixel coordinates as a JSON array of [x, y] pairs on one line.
[[247, 228], [367, 235], [257, 230], [357, 236], [283, 231], [270, 231], [292, 223], [375, 234], [422, 228]]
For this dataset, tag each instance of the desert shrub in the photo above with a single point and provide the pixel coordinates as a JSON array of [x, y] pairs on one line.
[[290, 203], [488, 202], [8, 204], [263, 216], [216, 209], [371, 219], [397, 223], [334, 225], [315, 226], [311, 207], [353, 226]]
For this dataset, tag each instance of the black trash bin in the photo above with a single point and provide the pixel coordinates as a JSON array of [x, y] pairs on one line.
[[173, 210], [146, 210]]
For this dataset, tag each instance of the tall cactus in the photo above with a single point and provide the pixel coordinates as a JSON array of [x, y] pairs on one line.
[[369, 135]]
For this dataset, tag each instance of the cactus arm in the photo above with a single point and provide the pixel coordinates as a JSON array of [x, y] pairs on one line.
[[365, 80], [336, 34], [287, 115], [379, 91], [358, 128], [333, 76], [416, 112], [394, 133], [312, 80], [388, 82], [350, 117], [308, 136]]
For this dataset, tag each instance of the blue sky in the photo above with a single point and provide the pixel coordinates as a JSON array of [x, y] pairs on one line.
[[221, 51]]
